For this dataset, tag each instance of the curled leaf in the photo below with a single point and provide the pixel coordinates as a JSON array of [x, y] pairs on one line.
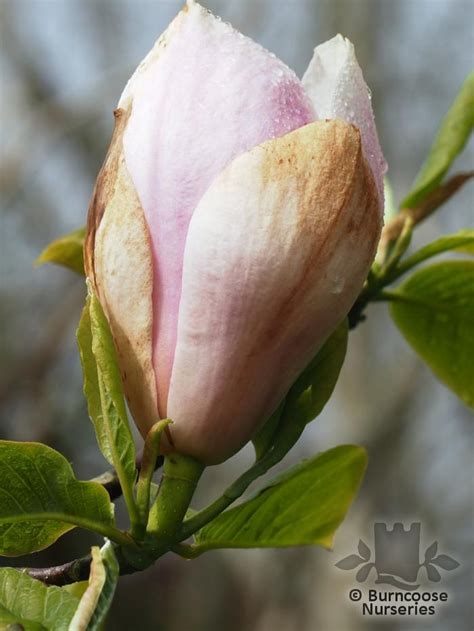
[[66, 251], [96, 600]]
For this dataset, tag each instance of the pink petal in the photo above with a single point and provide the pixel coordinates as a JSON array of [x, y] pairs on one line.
[[205, 94], [276, 254], [335, 84]]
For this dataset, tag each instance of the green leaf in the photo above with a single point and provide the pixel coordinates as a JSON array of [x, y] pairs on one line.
[[461, 241], [264, 438], [450, 140], [97, 599], [303, 506], [9, 622], [66, 251], [306, 398], [76, 589], [103, 390], [434, 310], [314, 387], [28, 602], [40, 499], [467, 248]]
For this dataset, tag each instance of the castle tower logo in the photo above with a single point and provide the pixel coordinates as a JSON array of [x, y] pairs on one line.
[[397, 557]]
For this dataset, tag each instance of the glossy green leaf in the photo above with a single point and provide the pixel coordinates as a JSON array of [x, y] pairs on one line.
[[97, 598], [306, 398], [461, 241], [434, 310], [28, 602], [66, 251], [450, 140], [303, 506], [40, 499], [103, 390]]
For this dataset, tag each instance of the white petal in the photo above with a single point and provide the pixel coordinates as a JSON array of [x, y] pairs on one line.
[[202, 96], [276, 253], [335, 84]]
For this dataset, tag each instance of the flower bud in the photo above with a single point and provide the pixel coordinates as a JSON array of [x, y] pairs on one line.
[[232, 226]]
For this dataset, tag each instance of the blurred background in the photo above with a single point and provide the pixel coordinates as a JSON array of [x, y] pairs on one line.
[[63, 65]]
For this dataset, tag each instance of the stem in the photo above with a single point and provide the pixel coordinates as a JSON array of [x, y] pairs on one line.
[[394, 242], [396, 296], [115, 535], [127, 489], [81, 522], [74, 571], [233, 492], [109, 479], [178, 483], [423, 255], [186, 551], [427, 207], [399, 248], [148, 465], [237, 488]]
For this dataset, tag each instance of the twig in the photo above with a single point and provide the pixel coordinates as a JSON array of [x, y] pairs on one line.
[[407, 218], [78, 569], [73, 571], [442, 193]]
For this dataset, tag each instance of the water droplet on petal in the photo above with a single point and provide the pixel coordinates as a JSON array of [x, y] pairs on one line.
[[337, 284]]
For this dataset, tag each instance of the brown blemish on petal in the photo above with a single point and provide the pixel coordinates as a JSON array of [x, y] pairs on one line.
[[104, 189], [124, 283], [337, 197], [117, 256]]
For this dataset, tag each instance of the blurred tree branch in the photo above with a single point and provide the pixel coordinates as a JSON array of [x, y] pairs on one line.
[[40, 360], [433, 201], [396, 234]]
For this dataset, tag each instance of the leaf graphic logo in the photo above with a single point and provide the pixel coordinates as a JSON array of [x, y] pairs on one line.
[[397, 558]]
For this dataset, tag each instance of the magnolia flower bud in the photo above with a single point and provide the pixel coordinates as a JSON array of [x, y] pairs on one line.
[[232, 226]]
